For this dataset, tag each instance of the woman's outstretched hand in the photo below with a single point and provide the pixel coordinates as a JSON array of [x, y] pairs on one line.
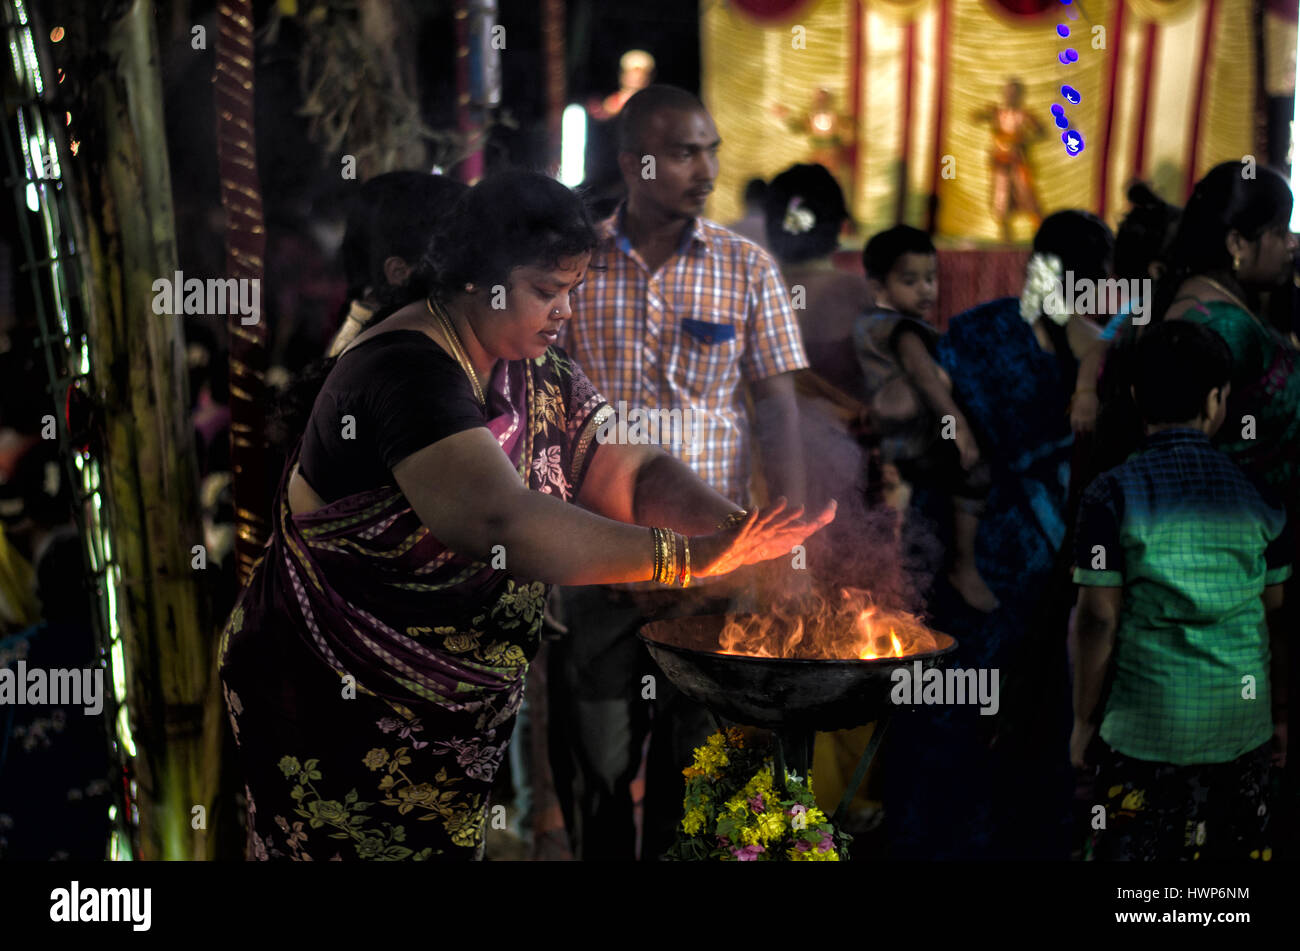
[[767, 533]]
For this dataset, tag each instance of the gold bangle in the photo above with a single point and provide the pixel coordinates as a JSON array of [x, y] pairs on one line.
[[670, 550], [665, 549], [655, 560], [734, 520], [686, 556]]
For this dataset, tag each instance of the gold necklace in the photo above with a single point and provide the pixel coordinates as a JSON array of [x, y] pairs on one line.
[[1259, 322], [1231, 296], [458, 351]]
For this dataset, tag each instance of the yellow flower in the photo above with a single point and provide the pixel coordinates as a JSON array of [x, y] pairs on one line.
[[762, 782], [771, 825], [708, 761], [693, 821], [815, 816]]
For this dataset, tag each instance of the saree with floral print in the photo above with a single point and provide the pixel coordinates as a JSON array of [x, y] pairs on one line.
[[372, 675]]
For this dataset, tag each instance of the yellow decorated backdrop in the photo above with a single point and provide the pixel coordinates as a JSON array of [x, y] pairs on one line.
[[751, 70]]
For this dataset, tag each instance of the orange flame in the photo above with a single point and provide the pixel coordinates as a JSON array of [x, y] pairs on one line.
[[852, 628]]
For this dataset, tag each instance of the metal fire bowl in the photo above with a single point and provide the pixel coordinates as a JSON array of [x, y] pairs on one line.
[[772, 692]]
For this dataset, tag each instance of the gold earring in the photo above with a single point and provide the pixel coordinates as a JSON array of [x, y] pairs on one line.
[[1236, 263], [469, 288]]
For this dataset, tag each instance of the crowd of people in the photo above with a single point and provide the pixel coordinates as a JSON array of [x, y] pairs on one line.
[[1094, 501], [1108, 490]]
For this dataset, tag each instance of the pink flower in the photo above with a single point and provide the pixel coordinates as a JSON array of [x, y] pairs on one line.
[[825, 844], [802, 846], [748, 853], [757, 803]]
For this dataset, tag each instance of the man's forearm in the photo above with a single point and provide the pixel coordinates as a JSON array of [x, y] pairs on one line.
[[668, 493], [781, 447]]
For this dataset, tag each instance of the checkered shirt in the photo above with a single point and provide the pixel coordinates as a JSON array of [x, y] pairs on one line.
[[716, 314], [1193, 544]]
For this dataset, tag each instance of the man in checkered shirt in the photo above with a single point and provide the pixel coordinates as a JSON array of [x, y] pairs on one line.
[[676, 313]]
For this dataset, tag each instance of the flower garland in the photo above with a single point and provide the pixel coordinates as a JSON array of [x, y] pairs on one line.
[[1043, 292], [798, 219], [735, 813]]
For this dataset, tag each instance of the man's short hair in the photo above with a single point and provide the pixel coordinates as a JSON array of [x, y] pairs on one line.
[[1178, 363], [635, 116], [884, 249]]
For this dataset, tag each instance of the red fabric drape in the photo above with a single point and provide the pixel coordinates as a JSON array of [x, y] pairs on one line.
[[770, 9], [1025, 8]]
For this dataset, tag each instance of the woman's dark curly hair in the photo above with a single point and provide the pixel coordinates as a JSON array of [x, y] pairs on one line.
[[508, 220]]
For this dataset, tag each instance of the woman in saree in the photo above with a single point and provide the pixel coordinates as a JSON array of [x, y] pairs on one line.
[[1013, 364], [453, 467], [1233, 244]]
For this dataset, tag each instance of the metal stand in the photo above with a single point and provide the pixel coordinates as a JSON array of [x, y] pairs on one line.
[[859, 774], [792, 750]]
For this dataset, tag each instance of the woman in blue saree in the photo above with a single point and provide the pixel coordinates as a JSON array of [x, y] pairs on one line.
[[1013, 363], [374, 663]]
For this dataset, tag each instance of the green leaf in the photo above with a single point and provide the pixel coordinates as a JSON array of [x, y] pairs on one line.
[[351, 797], [396, 853]]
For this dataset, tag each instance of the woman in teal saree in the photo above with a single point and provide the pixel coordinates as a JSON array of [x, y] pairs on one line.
[[375, 661], [1234, 242]]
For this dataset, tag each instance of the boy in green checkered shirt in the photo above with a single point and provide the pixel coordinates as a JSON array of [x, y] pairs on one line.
[[1179, 561]]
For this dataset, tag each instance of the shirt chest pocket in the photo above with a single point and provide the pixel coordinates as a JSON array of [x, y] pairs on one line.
[[708, 354]]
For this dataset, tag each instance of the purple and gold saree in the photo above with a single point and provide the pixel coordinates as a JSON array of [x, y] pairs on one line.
[[371, 675]]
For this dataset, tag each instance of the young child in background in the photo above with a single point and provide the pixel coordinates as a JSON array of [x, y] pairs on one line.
[[923, 431], [1179, 561]]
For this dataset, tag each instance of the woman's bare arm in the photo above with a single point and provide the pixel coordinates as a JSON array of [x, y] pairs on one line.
[[470, 497], [467, 493], [646, 486]]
